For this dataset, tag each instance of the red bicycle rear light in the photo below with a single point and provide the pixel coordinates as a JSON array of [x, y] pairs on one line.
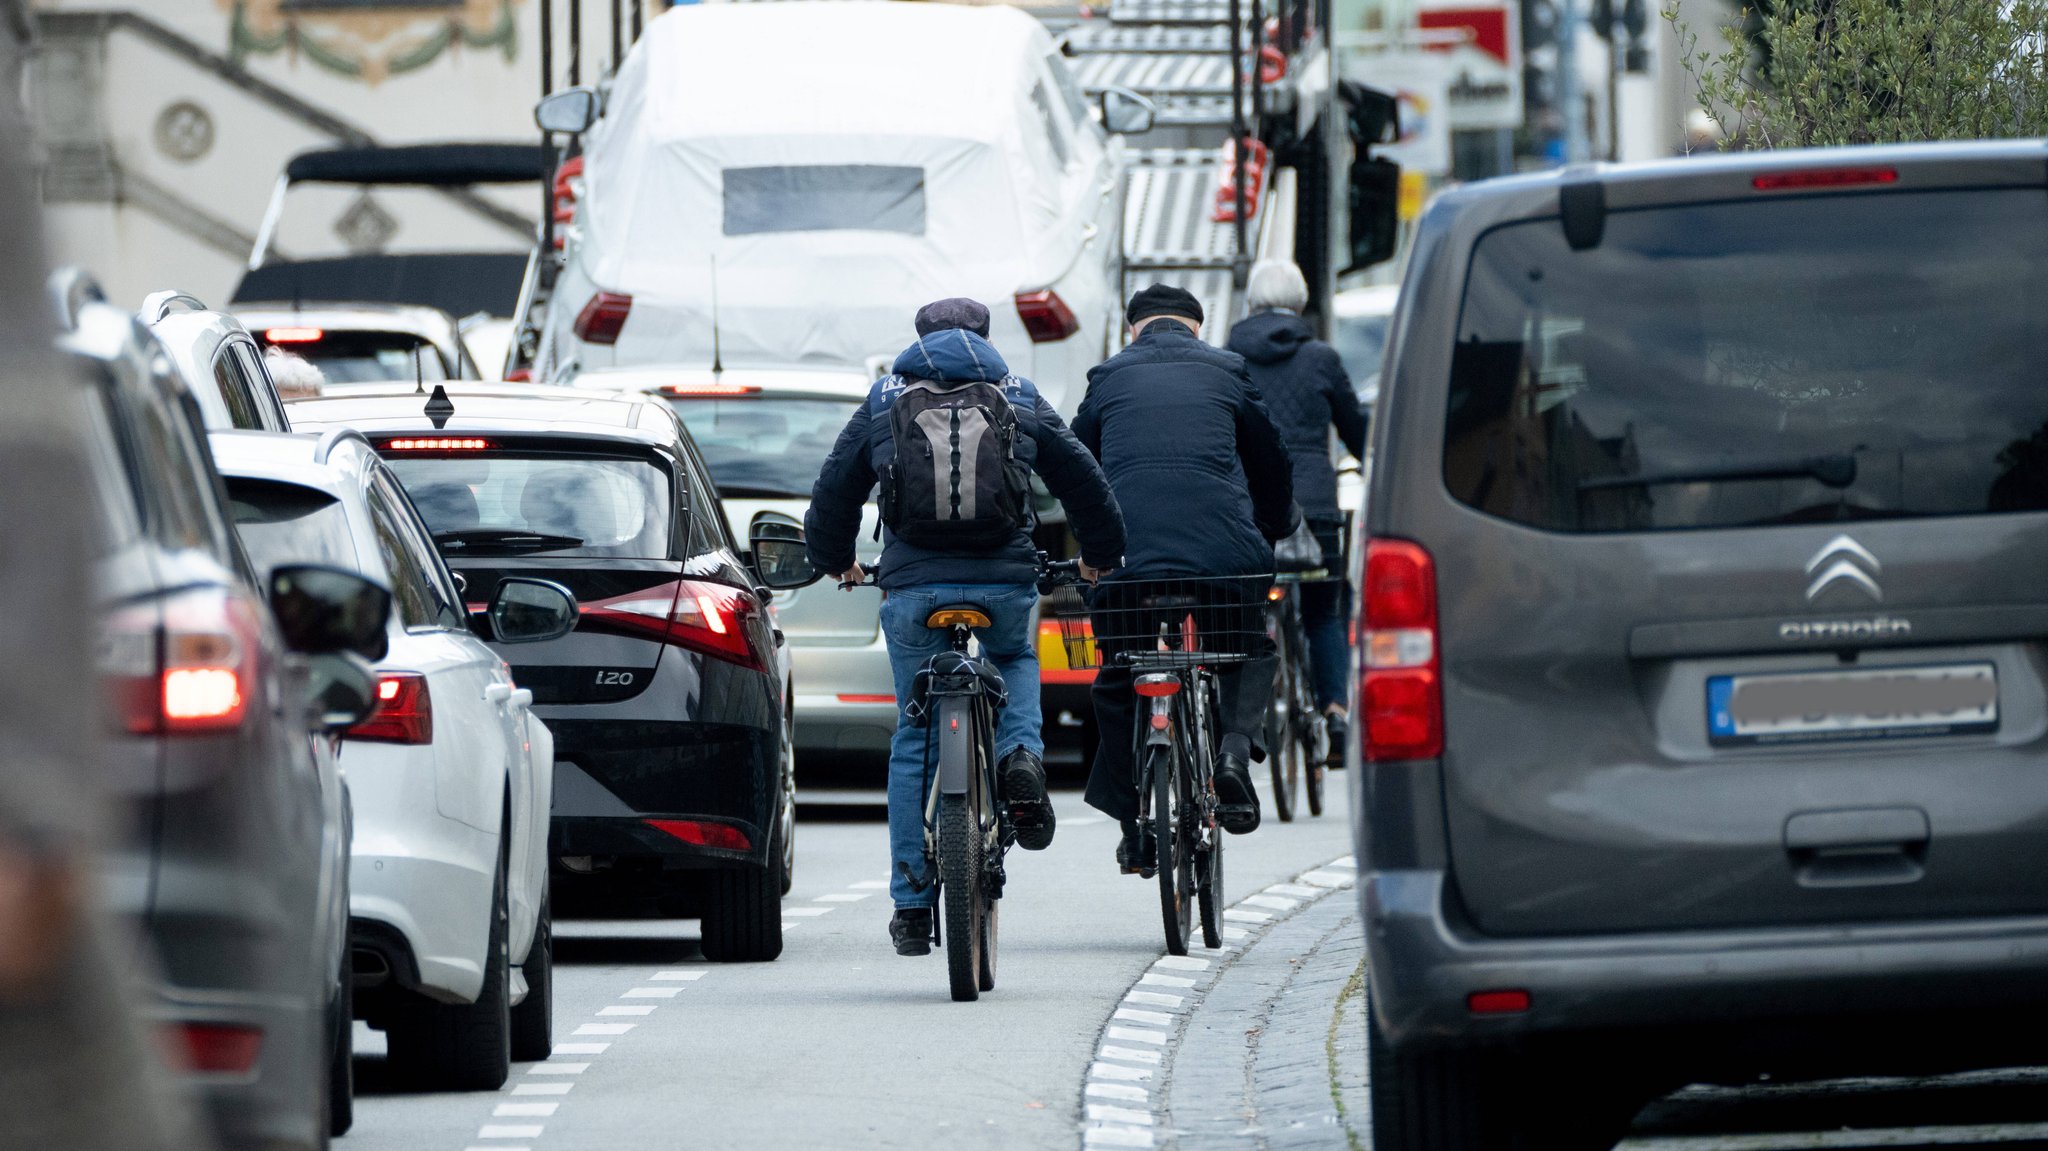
[[703, 833], [405, 711], [437, 444], [603, 318], [1824, 178], [711, 618], [1047, 319], [1400, 695], [1157, 686], [217, 1048]]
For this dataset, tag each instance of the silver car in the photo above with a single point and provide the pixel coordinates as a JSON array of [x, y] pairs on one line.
[[366, 343]]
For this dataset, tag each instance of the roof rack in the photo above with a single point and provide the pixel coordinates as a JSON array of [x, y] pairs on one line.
[[335, 437], [157, 305], [71, 289]]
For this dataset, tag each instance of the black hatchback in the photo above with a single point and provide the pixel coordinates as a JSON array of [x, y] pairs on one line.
[[674, 775]]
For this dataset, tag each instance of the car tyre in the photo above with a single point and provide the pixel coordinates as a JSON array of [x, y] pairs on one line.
[[462, 1046], [341, 1056], [1431, 1100], [743, 912], [533, 1019]]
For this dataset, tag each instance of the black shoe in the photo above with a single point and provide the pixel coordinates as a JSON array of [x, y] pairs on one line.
[[1022, 775], [1237, 804], [1339, 728], [910, 929], [1136, 854]]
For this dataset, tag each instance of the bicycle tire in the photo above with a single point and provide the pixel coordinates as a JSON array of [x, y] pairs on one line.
[[1314, 788], [1172, 861], [1209, 889], [1281, 724], [986, 968], [960, 893]]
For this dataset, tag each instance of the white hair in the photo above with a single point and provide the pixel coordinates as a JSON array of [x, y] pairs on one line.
[[296, 377], [1276, 284]]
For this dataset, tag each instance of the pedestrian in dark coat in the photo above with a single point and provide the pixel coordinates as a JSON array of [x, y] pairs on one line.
[[1205, 488], [1308, 393]]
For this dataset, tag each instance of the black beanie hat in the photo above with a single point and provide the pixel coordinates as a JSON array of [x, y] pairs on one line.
[[1163, 300], [953, 312]]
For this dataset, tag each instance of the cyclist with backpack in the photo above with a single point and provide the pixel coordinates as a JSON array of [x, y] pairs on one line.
[[952, 439]]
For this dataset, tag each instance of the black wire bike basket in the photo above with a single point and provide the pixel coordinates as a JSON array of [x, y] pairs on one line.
[[1183, 621]]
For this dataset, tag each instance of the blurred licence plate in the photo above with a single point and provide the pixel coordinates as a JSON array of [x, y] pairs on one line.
[[1946, 699]]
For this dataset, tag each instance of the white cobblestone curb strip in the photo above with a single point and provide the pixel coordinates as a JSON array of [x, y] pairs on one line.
[[1121, 1101]]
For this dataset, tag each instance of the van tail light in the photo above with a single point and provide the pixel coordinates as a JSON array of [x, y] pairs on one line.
[[1047, 319], [404, 712], [1401, 693], [215, 1048], [194, 673], [710, 618], [602, 319]]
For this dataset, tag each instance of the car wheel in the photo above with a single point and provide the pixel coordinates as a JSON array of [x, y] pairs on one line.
[[341, 1055], [787, 827], [533, 1020], [461, 1046], [743, 912], [1430, 1100]]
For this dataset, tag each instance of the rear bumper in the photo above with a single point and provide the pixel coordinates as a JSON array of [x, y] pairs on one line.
[[277, 1105], [1763, 983], [612, 778]]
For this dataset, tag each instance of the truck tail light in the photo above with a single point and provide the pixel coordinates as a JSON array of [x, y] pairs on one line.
[[704, 617], [1401, 692], [603, 318], [405, 711], [1047, 319]]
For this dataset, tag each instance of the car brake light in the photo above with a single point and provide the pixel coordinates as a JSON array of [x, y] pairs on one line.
[[703, 833], [1824, 178], [1047, 319], [294, 335], [217, 1048], [197, 674], [438, 444], [603, 318], [703, 617], [1401, 693], [711, 389], [404, 712]]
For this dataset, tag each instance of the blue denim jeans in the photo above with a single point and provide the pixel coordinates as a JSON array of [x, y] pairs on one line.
[[1006, 643]]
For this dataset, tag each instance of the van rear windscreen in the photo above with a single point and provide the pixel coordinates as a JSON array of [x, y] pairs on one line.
[[1780, 361], [824, 198]]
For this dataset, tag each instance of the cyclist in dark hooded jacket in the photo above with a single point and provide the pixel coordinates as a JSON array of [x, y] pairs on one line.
[[951, 349], [1205, 488], [1309, 394]]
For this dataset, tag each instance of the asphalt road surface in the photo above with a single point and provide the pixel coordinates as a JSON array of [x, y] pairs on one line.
[[1090, 1040]]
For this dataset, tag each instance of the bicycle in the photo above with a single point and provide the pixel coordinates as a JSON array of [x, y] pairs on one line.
[[1297, 736], [1172, 635], [966, 828]]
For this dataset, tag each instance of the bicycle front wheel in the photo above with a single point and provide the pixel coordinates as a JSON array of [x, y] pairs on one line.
[[960, 892], [1175, 862], [1282, 720]]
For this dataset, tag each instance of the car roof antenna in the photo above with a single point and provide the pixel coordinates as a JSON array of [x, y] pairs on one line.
[[439, 407], [717, 363], [419, 373]]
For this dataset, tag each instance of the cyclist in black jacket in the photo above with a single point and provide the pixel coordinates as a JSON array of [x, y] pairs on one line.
[[1205, 486]]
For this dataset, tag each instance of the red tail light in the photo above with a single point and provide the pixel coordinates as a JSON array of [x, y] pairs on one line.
[[196, 672], [405, 710], [603, 318], [294, 336], [1510, 1002], [705, 617], [1401, 694], [702, 833], [1824, 178], [216, 1048], [1157, 686], [1047, 319]]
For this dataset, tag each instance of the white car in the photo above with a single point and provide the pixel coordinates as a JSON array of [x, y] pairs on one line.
[[220, 362], [1359, 322], [764, 434], [798, 206], [452, 776]]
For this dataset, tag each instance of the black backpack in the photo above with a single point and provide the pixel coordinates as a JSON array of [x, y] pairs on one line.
[[955, 480]]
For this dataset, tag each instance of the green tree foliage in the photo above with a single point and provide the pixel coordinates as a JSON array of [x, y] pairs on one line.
[[1815, 73]]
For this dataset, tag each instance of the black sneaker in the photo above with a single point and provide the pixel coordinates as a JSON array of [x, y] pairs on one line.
[[1023, 782], [910, 929], [1137, 854], [1237, 804], [1338, 725]]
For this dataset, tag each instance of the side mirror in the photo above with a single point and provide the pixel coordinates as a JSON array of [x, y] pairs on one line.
[[529, 611], [1125, 113], [780, 557], [341, 691], [330, 611], [570, 110]]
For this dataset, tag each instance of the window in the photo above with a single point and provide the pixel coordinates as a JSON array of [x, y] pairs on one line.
[[364, 357], [445, 601], [542, 504], [824, 198], [261, 389], [1071, 95], [283, 523], [765, 447], [1757, 362], [1055, 132], [236, 392], [409, 581]]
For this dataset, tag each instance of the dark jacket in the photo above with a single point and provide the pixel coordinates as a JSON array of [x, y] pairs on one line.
[[1191, 454], [1307, 393], [1043, 444]]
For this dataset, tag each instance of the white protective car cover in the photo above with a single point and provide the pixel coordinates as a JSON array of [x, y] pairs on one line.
[[733, 86]]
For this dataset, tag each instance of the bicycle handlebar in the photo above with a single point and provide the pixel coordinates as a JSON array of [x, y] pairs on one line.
[[1052, 574]]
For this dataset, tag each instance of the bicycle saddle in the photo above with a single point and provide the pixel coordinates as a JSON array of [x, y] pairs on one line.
[[957, 614]]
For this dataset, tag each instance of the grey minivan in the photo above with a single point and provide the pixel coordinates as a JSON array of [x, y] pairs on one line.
[[1704, 694]]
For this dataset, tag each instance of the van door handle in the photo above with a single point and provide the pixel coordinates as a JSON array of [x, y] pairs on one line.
[[497, 692], [1858, 847]]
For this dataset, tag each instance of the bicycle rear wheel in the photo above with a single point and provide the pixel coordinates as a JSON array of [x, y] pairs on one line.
[[960, 891], [1176, 867], [1282, 721], [1209, 885]]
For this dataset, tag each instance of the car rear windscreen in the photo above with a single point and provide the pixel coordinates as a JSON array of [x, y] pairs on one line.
[[284, 523], [764, 447], [824, 198], [1781, 361], [505, 504], [364, 357]]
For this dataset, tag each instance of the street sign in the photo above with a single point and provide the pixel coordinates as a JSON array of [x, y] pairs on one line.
[[1483, 41]]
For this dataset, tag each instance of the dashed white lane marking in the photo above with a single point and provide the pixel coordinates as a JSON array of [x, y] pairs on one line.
[[1234, 934], [644, 1010], [1135, 1035], [1158, 980], [1242, 915], [541, 1088], [1275, 902], [524, 1110], [1295, 890], [1182, 963], [675, 976], [1155, 1018], [1123, 1091], [1347, 861], [1106, 1135], [1126, 1054], [604, 1029], [1326, 878], [808, 910], [509, 1131], [1153, 998], [553, 1068], [1117, 1072], [652, 993], [870, 885], [1109, 1113], [843, 897], [580, 1048]]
